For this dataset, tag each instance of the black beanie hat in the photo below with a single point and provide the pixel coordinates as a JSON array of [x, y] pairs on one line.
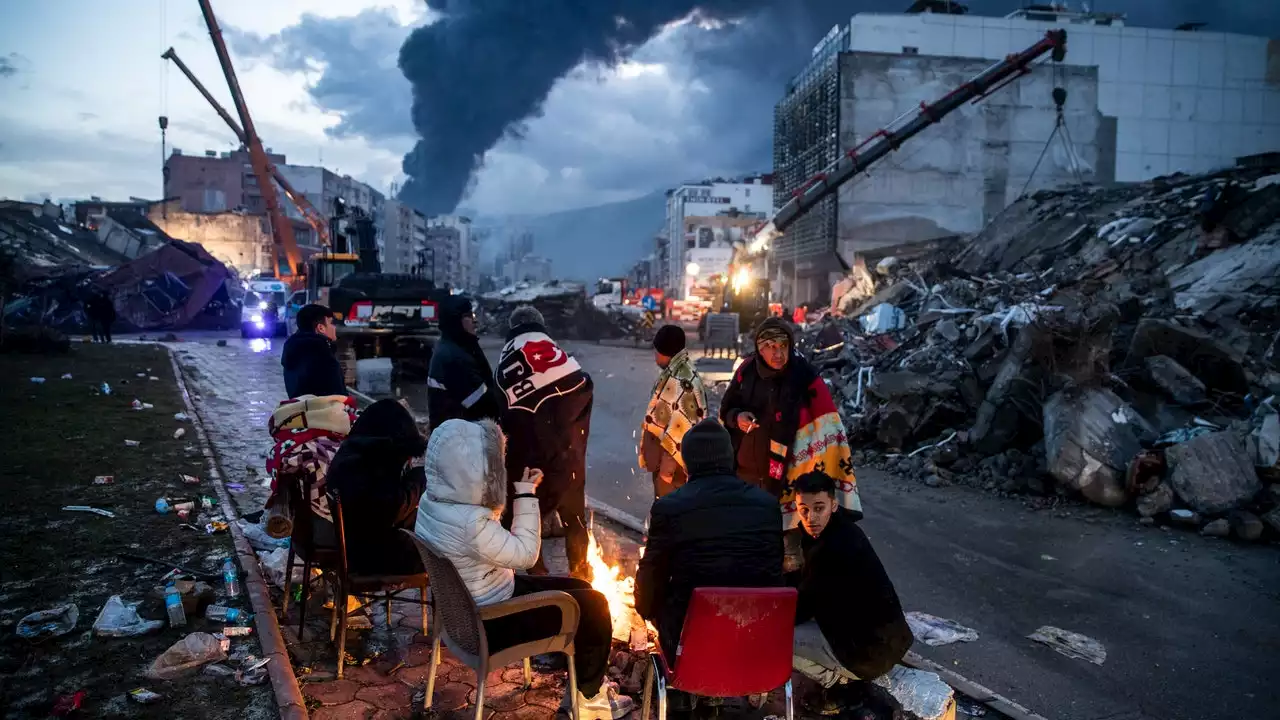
[[708, 450], [669, 340]]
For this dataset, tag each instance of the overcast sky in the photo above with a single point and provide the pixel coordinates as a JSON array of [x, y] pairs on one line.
[[82, 83]]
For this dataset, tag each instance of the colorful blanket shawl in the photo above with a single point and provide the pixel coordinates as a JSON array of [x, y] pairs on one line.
[[678, 402], [820, 444], [307, 431]]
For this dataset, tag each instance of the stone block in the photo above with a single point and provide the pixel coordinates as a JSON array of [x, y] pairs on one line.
[[1091, 436], [1176, 381], [1213, 473]]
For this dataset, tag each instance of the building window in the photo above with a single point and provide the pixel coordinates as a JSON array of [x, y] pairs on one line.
[[909, 50]]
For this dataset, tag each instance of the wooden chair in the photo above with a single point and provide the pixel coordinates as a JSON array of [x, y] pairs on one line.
[[458, 617], [366, 587], [312, 541]]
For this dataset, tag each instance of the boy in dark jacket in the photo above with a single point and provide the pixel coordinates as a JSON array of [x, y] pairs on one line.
[[310, 366], [850, 628], [547, 420], [713, 531], [460, 383]]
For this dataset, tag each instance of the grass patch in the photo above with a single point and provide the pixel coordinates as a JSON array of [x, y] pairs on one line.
[[57, 436]]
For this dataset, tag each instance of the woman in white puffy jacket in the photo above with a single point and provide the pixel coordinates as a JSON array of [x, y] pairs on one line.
[[459, 517]]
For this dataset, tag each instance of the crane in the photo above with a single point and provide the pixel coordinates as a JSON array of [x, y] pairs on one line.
[[309, 212], [263, 170], [890, 138]]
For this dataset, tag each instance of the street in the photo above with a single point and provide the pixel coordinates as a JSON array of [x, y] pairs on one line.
[[1191, 625]]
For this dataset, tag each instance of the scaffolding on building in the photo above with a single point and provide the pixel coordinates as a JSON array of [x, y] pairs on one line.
[[806, 139]]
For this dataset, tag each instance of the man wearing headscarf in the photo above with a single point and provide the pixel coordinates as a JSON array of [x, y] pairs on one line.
[[784, 424], [677, 403], [548, 398], [460, 382]]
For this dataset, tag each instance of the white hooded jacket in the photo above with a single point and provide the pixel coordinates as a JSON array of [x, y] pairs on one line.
[[458, 515]]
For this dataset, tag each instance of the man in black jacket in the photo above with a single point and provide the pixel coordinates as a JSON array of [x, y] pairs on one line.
[[850, 628], [460, 382], [713, 531], [310, 366], [547, 420]]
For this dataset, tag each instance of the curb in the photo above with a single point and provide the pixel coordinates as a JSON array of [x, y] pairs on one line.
[[283, 680], [974, 691]]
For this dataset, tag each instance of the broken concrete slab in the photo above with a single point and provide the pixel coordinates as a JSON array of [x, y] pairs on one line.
[[1091, 435], [1246, 526], [1267, 440], [1213, 473], [1216, 528], [1176, 381], [1217, 366]]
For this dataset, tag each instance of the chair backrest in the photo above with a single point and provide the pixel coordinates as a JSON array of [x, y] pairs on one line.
[[306, 537], [339, 532], [453, 604], [736, 641]]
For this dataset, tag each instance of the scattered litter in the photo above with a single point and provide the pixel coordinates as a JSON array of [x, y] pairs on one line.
[[143, 696], [216, 526], [152, 377], [253, 671], [177, 434], [922, 694], [88, 509], [1048, 557], [186, 655], [120, 620], [219, 670], [190, 479], [936, 632], [181, 417], [972, 708], [104, 479], [259, 538], [139, 405], [66, 376], [237, 631], [68, 704], [1073, 645], [131, 443], [38, 380], [51, 623], [235, 487], [105, 389]]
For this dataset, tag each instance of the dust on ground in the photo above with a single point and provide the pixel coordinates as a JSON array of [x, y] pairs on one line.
[[58, 436]]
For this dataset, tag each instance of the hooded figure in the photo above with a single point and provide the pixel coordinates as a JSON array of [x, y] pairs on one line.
[[458, 518], [547, 420], [378, 476], [784, 423], [460, 382]]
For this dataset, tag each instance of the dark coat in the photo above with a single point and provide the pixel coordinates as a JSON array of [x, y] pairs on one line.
[[714, 531], [310, 366], [846, 590], [547, 423], [775, 398], [379, 481], [460, 381]]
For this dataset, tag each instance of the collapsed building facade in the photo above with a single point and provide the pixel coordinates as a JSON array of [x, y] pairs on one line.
[[1139, 103], [1116, 343]]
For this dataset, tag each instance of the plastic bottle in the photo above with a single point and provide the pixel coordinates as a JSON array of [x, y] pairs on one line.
[[222, 613], [173, 606], [162, 506], [229, 578]]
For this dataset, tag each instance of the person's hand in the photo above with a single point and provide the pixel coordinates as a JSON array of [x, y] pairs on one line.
[[532, 476], [747, 421]]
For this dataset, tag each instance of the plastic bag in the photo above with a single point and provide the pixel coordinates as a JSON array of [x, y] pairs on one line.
[[273, 567], [921, 693], [1071, 644], [120, 620], [51, 623], [936, 632], [187, 655], [258, 537]]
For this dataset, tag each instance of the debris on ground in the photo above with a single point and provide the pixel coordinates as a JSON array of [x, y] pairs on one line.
[[921, 693], [1073, 645], [120, 620], [51, 623], [186, 656], [936, 632], [565, 306], [1118, 345]]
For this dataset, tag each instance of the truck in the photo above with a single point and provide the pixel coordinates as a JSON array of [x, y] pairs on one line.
[[262, 311]]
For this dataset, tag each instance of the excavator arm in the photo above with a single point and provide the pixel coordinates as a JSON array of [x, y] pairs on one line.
[[313, 216], [890, 138], [281, 228]]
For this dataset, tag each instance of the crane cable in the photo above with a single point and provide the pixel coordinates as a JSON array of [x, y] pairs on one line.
[[1073, 158]]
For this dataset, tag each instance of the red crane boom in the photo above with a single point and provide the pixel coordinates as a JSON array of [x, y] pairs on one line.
[[263, 170]]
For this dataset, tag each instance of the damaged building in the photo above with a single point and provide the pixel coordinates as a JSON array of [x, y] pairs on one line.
[[1119, 344], [1140, 103]]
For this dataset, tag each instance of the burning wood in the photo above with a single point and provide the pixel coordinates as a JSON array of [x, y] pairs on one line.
[[619, 590]]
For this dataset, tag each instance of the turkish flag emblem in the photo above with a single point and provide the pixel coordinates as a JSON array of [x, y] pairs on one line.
[[543, 355]]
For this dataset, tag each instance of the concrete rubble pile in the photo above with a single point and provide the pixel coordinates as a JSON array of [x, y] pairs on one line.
[[564, 305], [1119, 344]]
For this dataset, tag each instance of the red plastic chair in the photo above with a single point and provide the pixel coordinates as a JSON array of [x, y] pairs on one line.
[[735, 642]]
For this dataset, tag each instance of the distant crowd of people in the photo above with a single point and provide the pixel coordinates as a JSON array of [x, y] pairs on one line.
[[762, 494]]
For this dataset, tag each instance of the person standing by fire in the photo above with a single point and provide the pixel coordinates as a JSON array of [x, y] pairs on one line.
[[460, 382], [547, 421], [678, 403], [784, 424]]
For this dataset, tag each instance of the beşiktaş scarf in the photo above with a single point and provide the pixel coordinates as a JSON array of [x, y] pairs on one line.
[[533, 369], [678, 403]]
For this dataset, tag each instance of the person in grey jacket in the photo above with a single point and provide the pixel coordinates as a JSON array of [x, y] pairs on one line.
[[459, 517]]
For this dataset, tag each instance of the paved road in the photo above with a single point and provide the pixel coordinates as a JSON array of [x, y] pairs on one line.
[[1191, 626]]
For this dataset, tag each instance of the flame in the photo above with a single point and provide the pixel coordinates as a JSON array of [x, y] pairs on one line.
[[618, 590]]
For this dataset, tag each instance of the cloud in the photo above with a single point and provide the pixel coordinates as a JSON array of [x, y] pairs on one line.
[[12, 64]]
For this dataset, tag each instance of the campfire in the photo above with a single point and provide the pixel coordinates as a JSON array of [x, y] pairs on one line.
[[631, 637]]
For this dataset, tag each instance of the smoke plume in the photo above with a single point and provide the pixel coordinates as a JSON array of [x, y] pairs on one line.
[[488, 65]]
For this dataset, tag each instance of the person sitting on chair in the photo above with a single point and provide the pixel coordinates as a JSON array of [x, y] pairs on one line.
[[850, 628], [459, 516]]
